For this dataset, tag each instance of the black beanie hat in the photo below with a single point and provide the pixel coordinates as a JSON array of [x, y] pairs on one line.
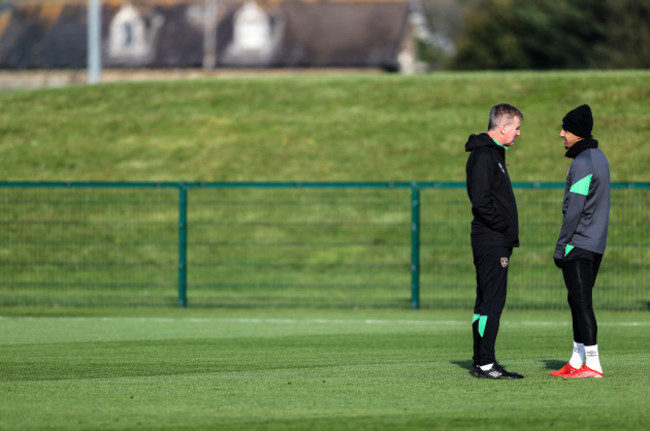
[[579, 121]]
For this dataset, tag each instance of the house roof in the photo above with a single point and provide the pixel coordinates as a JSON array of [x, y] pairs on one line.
[[343, 33], [314, 33]]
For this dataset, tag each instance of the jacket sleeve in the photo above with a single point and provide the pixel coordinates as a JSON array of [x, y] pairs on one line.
[[483, 205], [579, 180]]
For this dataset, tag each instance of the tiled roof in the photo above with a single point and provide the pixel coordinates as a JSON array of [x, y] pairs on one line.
[[314, 33]]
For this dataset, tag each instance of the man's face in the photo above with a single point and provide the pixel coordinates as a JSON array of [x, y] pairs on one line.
[[569, 139], [509, 132]]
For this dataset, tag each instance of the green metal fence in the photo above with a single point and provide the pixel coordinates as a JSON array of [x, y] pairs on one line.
[[292, 244]]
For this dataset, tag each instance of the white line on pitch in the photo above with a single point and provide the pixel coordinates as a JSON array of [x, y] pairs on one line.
[[320, 321]]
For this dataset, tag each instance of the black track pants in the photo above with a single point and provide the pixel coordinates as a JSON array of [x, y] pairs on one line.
[[580, 277], [491, 288]]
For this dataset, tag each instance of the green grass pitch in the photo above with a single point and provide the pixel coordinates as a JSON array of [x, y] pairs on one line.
[[312, 369], [296, 369]]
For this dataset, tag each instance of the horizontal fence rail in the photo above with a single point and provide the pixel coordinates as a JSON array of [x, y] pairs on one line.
[[355, 244]]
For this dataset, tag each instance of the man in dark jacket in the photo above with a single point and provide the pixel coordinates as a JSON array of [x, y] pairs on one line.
[[581, 244], [495, 231]]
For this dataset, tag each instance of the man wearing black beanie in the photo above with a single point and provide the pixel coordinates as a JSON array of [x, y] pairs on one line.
[[581, 244], [579, 122]]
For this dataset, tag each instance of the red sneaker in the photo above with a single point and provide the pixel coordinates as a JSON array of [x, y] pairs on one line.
[[567, 369], [583, 372]]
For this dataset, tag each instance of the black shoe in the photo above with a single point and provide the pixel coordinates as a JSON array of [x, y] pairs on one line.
[[495, 372]]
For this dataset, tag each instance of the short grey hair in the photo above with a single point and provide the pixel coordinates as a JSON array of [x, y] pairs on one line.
[[503, 113]]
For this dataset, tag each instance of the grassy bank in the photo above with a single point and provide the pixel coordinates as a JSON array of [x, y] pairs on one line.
[[314, 128], [291, 247]]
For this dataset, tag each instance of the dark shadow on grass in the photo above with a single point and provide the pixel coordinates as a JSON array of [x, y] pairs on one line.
[[552, 364], [468, 365]]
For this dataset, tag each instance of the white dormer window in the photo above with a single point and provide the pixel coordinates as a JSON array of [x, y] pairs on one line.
[[252, 31], [128, 34]]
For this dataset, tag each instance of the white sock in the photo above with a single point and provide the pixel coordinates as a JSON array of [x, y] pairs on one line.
[[592, 358], [578, 356], [486, 367]]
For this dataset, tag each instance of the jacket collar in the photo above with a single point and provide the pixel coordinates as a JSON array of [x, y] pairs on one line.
[[581, 146]]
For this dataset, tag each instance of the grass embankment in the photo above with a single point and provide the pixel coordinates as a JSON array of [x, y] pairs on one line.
[[314, 128], [266, 247]]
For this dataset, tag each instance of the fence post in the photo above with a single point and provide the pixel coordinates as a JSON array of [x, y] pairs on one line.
[[415, 246], [182, 246], [94, 40]]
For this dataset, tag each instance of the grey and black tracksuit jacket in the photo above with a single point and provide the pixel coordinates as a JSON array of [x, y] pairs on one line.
[[496, 221], [586, 201]]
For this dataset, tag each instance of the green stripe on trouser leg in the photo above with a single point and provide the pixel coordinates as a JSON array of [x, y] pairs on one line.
[[482, 321]]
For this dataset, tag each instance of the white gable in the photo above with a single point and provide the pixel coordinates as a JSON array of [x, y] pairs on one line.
[[127, 34], [252, 31]]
